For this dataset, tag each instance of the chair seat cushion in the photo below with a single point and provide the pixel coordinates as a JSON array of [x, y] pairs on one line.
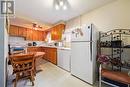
[[116, 76]]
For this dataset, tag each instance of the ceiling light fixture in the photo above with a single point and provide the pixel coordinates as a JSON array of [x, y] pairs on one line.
[[65, 7], [36, 26], [60, 4], [57, 7]]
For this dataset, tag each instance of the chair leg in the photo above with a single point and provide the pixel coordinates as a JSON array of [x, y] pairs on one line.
[[34, 70], [32, 78], [16, 80]]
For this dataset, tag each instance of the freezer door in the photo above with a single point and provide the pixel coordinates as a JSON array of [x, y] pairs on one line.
[[81, 63], [82, 34]]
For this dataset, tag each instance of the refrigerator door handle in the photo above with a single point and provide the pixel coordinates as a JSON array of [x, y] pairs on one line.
[[90, 51], [91, 42]]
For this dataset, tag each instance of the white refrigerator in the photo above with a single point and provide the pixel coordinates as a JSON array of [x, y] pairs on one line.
[[83, 53]]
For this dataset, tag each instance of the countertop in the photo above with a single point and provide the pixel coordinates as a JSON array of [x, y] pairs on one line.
[[62, 48]]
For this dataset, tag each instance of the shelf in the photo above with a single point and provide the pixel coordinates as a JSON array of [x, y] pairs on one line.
[[126, 67], [115, 43], [116, 47]]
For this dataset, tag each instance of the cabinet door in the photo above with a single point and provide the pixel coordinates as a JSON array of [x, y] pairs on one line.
[[60, 29], [44, 34], [34, 35], [13, 31], [53, 56], [46, 53], [53, 34], [45, 56], [22, 31], [29, 34], [56, 32], [40, 37]]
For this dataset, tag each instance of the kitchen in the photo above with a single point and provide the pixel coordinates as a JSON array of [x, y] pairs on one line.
[[66, 41]]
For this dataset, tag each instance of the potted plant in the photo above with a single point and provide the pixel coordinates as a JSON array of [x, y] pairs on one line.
[[103, 61]]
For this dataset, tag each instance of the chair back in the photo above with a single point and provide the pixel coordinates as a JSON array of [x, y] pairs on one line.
[[22, 62]]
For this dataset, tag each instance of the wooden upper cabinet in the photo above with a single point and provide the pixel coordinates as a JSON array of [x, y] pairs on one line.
[[29, 35], [13, 31], [32, 35], [56, 32], [53, 34], [44, 34], [35, 35], [17, 31], [22, 31], [40, 36]]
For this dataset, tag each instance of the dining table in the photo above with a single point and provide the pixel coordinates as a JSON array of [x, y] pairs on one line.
[[37, 55]]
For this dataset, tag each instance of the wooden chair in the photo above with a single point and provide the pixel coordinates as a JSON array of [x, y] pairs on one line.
[[23, 64], [18, 52]]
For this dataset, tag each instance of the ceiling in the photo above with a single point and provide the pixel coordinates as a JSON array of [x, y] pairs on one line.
[[23, 22], [43, 10]]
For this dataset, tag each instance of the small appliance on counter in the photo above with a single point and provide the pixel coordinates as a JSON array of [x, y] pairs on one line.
[[34, 44], [58, 44], [29, 44]]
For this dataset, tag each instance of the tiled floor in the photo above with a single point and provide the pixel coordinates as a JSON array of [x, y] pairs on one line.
[[50, 76]]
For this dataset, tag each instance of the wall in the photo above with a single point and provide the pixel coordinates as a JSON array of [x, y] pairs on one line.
[[108, 17], [3, 52], [20, 41]]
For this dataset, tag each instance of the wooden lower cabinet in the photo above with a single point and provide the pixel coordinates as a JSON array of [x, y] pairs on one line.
[[34, 49], [50, 53], [54, 57]]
